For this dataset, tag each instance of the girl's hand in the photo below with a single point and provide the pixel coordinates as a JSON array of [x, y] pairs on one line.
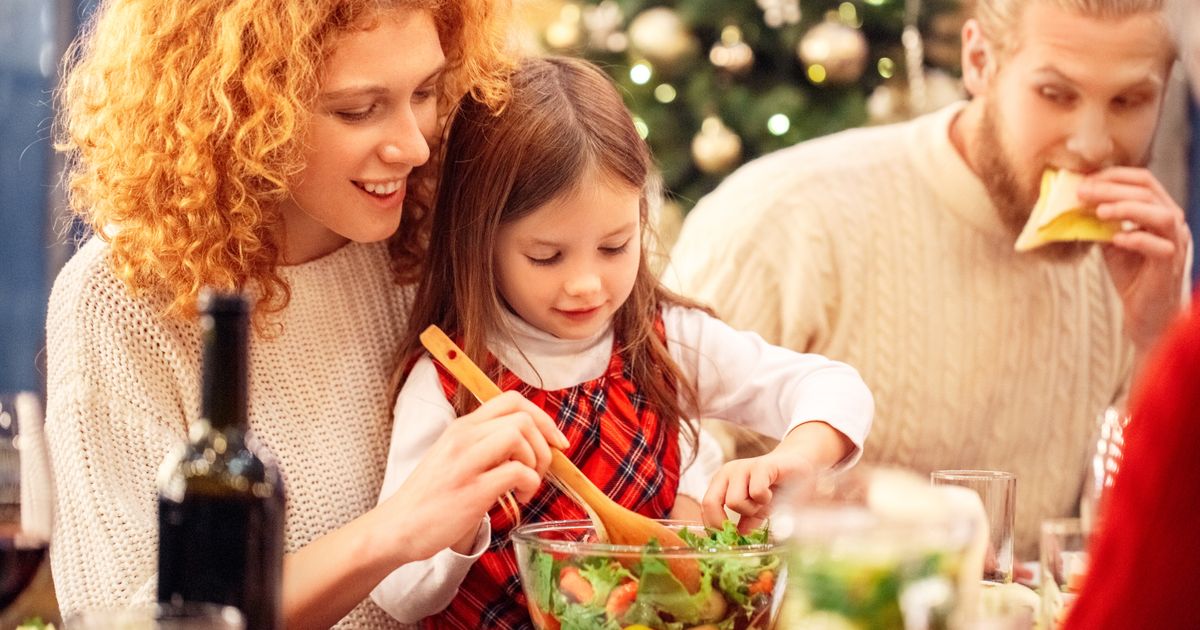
[[1146, 264], [746, 486], [504, 445]]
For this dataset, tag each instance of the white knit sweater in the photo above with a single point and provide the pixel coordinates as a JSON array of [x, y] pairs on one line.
[[123, 383], [880, 247]]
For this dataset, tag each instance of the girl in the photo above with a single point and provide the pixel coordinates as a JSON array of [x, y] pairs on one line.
[[537, 266], [265, 144]]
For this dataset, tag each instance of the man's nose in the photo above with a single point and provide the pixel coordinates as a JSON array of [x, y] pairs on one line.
[[1091, 140]]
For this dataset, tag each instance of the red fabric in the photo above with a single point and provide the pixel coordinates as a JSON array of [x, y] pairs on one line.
[[616, 440], [1143, 563]]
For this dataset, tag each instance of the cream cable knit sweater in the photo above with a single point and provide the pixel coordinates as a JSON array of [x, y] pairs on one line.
[[124, 383], [879, 247]]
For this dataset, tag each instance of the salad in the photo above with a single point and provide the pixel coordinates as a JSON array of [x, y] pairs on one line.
[[871, 593], [581, 591]]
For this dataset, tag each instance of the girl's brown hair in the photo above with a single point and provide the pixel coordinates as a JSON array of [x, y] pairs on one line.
[[563, 121], [183, 123]]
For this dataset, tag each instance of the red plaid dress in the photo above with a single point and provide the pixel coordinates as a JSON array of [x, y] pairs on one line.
[[616, 440]]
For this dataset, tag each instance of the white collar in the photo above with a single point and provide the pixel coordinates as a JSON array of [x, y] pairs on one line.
[[547, 362]]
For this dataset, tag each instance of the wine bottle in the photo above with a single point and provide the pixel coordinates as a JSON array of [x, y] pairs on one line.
[[220, 496]]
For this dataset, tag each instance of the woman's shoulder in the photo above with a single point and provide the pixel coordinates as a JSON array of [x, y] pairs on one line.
[[90, 306], [87, 286]]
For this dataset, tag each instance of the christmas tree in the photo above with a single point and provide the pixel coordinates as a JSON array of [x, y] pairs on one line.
[[715, 83]]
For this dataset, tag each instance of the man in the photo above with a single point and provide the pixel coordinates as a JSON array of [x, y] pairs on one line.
[[891, 248]]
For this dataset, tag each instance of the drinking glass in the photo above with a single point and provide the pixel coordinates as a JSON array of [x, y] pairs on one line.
[[162, 616], [26, 503], [1064, 564], [998, 492], [1102, 469]]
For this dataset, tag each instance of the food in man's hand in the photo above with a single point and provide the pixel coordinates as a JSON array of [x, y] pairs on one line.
[[1060, 216]]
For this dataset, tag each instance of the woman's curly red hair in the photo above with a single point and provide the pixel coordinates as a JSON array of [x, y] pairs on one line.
[[183, 124]]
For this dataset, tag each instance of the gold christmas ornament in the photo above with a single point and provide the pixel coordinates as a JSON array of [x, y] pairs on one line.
[[603, 23], [731, 54], [660, 35], [716, 149], [840, 51], [566, 32], [779, 13]]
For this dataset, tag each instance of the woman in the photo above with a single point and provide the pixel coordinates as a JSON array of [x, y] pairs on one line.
[[267, 145]]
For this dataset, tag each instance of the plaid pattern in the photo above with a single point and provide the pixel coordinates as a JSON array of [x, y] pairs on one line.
[[616, 440]]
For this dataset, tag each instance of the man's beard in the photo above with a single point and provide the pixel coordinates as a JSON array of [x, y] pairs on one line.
[[1003, 184]]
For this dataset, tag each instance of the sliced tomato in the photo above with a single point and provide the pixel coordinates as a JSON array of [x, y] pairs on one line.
[[575, 586], [764, 585], [542, 619], [620, 599]]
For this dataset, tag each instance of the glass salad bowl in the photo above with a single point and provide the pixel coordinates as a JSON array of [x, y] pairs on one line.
[[880, 549], [573, 581]]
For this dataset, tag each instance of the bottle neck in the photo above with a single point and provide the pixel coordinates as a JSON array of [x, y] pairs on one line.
[[224, 382]]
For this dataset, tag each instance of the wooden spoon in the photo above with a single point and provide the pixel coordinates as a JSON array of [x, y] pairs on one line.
[[613, 522]]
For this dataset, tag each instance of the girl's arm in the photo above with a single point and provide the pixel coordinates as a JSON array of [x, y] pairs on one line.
[[766, 388], [443, 476], [820, 408]]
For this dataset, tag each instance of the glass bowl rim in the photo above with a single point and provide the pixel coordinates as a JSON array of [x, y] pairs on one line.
[[527, 535]]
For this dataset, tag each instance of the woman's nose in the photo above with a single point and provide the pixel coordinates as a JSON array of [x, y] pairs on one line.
[[405, 144]]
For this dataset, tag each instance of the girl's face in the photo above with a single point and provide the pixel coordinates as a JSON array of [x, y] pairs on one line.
[[569, 265], [371, 126]]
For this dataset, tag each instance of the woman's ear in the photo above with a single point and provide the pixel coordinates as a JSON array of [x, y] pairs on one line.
[[978, 59]]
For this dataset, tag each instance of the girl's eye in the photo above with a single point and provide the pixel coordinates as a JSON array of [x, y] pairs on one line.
[[614, 251], [549, 260], [355, 115]]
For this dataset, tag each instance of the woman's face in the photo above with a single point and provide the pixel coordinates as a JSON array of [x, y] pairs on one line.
[[372, 123]]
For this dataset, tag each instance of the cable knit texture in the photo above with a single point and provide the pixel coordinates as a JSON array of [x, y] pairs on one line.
[[880, 247], [124, 384]]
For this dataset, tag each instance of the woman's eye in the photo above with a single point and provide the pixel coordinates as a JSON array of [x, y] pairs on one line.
[[354, 115], [548, 260], [425, 93]]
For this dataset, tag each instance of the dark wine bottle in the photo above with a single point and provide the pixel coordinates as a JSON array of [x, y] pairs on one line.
[[220, 496]]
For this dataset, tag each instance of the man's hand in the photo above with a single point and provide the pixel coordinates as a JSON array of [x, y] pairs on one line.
[[1146, 264]]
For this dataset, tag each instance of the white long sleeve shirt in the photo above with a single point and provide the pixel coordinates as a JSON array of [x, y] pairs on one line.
[[740, 378]]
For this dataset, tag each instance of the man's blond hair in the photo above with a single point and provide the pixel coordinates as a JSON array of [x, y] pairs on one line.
[[1000, 19]]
